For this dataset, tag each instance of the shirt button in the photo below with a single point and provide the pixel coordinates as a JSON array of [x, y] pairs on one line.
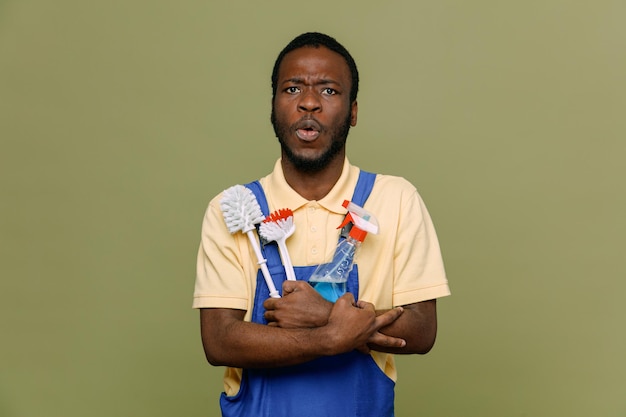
[[313, 229], [314, 251]]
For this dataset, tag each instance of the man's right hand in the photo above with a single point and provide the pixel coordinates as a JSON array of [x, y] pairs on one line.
[[299, 307]]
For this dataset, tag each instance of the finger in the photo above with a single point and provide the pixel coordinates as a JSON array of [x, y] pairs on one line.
[[269, 316], [387, 341], [347, 298], [365, 305], [270, 303], [293, 286], [289, 287], [388, 317]]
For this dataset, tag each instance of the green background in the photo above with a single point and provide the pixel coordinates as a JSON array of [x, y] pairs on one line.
[[120, 119]]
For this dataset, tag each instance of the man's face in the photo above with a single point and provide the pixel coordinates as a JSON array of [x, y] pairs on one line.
[[311, 112]]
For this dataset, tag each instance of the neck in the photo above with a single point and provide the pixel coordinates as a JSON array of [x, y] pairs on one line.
[[316, 185]]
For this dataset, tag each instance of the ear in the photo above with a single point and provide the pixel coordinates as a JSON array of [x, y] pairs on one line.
[[354, 109]]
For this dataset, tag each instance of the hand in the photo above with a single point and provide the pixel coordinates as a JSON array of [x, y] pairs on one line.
[[380, 339], [300, 307], [354, 325]]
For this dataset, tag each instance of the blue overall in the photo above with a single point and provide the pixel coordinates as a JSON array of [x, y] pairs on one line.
[[347, 385]]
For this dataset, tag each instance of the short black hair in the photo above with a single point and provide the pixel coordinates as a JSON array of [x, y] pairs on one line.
[[316, 39]]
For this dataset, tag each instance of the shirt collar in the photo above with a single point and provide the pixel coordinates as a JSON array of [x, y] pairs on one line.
[[281, 195]]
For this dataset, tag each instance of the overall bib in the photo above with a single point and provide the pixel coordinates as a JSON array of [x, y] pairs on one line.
[[347, 385]]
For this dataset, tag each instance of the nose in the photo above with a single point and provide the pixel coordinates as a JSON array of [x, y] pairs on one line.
[[309, 102]]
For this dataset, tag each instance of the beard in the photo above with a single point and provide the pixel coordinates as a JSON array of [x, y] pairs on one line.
[[338, 135]]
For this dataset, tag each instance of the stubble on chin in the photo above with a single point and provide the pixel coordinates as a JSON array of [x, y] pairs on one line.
[[314, 164], [304, 164]]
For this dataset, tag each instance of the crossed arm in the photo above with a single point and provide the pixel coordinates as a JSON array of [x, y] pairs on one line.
[[303, 326]]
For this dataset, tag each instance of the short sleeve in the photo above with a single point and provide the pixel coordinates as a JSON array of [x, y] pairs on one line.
[[220, 274], [418, 263]]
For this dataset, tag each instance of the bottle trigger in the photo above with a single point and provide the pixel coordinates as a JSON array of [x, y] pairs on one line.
[[346, 220]]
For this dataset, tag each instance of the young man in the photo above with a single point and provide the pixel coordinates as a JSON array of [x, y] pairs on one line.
[[299, 354]]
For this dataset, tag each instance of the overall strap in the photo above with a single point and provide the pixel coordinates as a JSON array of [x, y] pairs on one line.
[[270, 252], [255, 187], [363, 188], [362, 191]]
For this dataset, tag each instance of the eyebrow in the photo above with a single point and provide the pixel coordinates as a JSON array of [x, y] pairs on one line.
[[298, 80]]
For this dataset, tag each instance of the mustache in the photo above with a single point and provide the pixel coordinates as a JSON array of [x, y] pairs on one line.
[[308, 122]]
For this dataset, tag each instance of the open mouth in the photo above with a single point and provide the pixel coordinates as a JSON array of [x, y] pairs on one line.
[[307, 134], [308, 130]]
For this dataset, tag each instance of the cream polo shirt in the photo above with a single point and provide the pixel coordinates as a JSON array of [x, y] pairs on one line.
[[400, 265]]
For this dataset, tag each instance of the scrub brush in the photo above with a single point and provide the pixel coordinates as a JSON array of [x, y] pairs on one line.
[[241, 212], [277, 227]]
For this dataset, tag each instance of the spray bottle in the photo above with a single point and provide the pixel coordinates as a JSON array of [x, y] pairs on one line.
[[330, 279]]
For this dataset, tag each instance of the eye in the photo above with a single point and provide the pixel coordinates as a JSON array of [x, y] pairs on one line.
[[329, 91], [292, 90]]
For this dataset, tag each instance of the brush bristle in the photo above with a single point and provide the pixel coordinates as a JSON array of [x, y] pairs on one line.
[[281, 214], [240, 208], [270, 231], [277, 225]]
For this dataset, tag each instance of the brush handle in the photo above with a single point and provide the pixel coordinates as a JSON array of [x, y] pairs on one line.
[[262, 263], [284, 254]]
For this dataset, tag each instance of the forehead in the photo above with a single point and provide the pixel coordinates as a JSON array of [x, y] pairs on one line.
[[316, 62]]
